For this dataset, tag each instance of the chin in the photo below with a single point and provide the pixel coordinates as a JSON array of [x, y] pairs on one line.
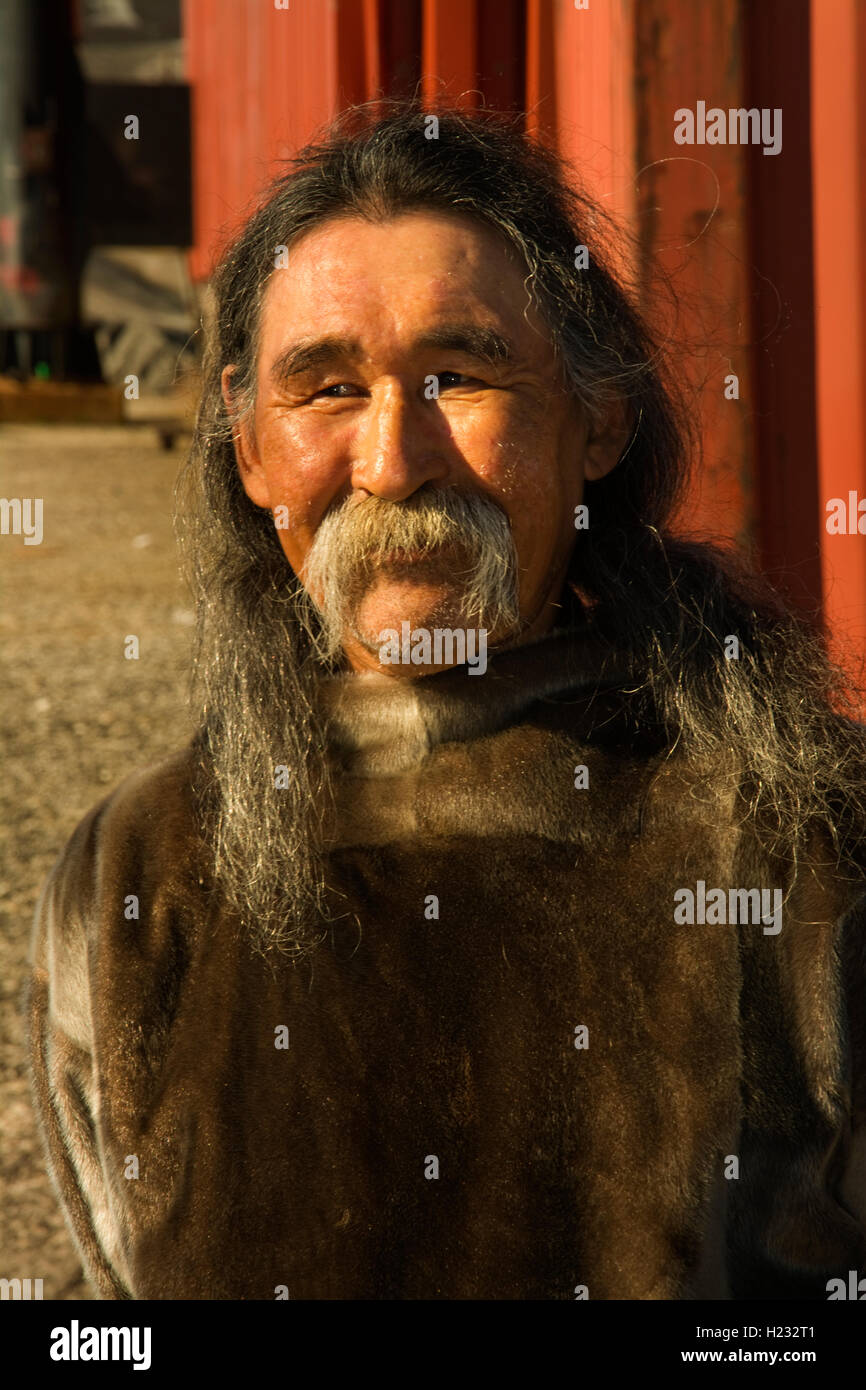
[[421, 605]]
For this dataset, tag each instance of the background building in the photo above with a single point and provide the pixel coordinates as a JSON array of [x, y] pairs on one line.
[[766, 253], [109, 227]]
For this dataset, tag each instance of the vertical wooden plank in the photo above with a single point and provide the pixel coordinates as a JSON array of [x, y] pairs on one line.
[[401, 41], [352, 50], [263, 80], [692, 220], [595, 77], [501, 65], [254, 113], [277, 84], [838, 117], [781, 305], [449, 54], [861, 164], [231, 113], [541, 71], [199, 40], [374, 75]]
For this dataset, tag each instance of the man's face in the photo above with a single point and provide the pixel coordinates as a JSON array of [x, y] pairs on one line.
[[353, 333]]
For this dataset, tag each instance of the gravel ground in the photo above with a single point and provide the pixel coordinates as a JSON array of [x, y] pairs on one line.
[[77, 718]]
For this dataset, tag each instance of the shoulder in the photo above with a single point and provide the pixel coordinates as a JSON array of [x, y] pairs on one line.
[[151, 811], [141, 840]]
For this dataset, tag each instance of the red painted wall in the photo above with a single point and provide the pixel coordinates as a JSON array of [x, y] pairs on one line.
[[838, 86], [766, 254]]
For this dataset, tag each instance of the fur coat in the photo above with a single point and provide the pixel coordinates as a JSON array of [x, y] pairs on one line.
[[522, 1079]]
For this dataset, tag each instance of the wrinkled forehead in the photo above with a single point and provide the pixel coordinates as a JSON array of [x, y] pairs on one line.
[[388, 280]]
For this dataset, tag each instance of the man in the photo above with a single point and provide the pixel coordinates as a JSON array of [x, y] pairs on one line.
[[500, 935]]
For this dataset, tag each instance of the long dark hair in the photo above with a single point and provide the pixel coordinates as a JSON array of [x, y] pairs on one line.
[[667, 603]]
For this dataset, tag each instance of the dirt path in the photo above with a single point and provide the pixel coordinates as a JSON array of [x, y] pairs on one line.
[[77, 717]]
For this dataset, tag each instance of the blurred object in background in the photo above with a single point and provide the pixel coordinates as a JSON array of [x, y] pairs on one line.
[[142, 303], [95, 202], [42, 244]]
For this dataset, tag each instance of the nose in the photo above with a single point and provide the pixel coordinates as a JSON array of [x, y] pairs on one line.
[[400, 445]]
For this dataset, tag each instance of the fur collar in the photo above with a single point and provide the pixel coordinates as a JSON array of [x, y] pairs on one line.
[[377, 721]]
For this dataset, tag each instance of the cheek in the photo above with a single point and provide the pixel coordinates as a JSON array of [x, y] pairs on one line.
[[534, 475], [303, 476], [512, 444]]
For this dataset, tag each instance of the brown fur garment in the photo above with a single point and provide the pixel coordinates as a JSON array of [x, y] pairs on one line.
[[414, 1037]]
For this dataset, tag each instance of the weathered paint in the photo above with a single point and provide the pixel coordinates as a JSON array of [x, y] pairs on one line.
[[738, 232], [691, 221], [838, 46]]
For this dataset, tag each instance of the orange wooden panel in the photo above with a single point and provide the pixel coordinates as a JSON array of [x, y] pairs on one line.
[[781, 304], [541, 92], [449, 55], [399, 43], [595, 98], [353, 51], [372, 37], [691, 206], [263, 81], [501, 53], [838, 33]]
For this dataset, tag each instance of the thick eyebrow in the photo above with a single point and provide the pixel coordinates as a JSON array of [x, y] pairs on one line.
[[472, 339], [312, 352]]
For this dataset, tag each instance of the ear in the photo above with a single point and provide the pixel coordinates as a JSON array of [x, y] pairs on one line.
[[252, 474], [607, 443]]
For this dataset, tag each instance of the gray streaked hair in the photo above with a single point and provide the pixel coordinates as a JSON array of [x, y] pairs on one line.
[[665, 602]]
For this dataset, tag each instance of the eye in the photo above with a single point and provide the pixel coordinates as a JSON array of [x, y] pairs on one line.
[[447, 379], [343, 387]]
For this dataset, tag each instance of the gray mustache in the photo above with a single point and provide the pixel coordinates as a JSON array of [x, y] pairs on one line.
[[354, 536], [421, 523]]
